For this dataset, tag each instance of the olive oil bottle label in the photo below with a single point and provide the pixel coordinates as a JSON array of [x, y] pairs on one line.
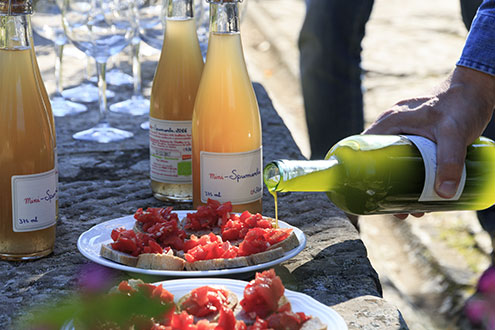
[[234, 177], [34, 198], [170, 151], [428, 151]]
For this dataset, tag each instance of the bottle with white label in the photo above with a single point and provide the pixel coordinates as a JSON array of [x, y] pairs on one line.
[[28, 180], [378, 174], [227, 155], [173, 93]]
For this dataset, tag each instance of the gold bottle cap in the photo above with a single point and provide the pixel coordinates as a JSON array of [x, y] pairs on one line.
[[15, 7]]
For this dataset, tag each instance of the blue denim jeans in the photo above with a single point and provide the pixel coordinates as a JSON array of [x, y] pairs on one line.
[[330, 57]]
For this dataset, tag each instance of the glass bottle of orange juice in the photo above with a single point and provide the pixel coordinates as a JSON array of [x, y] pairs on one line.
[[173, 93], [227, 153], [28, 181]]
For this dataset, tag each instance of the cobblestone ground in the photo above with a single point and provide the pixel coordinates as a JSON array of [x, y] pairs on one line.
[[428, 266]]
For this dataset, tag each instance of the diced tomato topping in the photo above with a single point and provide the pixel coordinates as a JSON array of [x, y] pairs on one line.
[[208, 216], [203, 240], [260, 239], [182, 321], [205, 300], [155, 215], [167, 233], [128, 241], [274, 236], [253, 242], [286, 321], [259, 324], [227, 321], [236, 227], [262, 294], [124, 287], [160, 295], [212, 251]]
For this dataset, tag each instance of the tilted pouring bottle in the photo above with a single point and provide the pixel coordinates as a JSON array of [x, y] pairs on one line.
[[28, 179], [173, 93], [377, 174], [227, 153]]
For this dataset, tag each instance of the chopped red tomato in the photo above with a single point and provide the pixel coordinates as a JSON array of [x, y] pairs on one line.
[[182, 321], [274, 236], [227, 321], [260, 239], [124, 287], [205, 300], [128, 241], [157, 293], [203, 240], [286, 320], [237, 226], [167, 233], [262, 294], [212, 251], [208, 216], [254, 242], [259, 324], [155, 215]]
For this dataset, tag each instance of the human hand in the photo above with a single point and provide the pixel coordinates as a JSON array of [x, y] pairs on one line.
[[453, 117]]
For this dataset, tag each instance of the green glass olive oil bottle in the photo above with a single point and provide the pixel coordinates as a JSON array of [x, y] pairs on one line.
[[379, 174]]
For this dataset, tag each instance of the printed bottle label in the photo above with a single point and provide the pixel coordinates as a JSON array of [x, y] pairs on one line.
[[34, 199], [170, 151], [234, 177], [428, 151]]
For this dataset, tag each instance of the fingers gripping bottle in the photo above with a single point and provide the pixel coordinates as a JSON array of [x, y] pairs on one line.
[[28, 178], [173, 93], [377, 174], [227, 154]]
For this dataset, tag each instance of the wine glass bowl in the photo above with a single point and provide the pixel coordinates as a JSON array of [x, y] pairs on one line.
[[99, 32], [47, 22], [151, 17], [100, 28]]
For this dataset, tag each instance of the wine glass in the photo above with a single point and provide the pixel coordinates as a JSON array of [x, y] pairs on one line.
[[47, 22], [151, 19], [138, 104], [100, 28]]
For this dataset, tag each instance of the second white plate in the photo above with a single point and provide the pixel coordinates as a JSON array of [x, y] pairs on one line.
[[300, 302]]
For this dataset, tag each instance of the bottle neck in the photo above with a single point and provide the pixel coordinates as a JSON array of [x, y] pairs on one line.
[[180, 9], [297, 175], [224, 17], [15, 32]]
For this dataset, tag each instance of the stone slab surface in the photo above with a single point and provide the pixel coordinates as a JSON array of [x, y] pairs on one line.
[[99, 182]]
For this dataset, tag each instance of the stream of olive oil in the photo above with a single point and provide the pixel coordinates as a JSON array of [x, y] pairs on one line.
[[274, 194]]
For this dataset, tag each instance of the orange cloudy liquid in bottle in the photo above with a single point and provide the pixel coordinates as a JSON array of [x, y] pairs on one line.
[[227, 155], [172, 101], [48, 106], [27, 145]]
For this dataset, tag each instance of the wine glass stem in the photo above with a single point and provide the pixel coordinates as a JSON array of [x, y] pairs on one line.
[[88, 70], [136, 68], [102, 88], [59, 52]]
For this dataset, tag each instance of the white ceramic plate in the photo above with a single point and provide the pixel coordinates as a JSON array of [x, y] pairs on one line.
[[300, 302], [90, 241]]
